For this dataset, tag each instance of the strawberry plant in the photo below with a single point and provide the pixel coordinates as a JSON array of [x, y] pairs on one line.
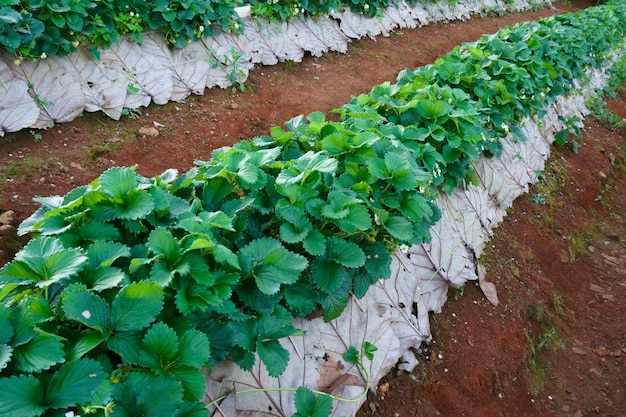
[[130, 285]]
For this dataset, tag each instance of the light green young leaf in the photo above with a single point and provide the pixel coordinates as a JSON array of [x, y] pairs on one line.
[[21, 396], [74, 383]]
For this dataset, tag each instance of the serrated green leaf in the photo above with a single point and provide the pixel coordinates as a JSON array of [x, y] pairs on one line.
[[85, 344], [75, 382], [89, 309], [192, 380], [136, 204], [224, 255], [96, 230], [103, 278], [310, 405], [298, 297], [140, 394], [378, 262], [127, 345], [159, 347], [21, 396], [41, 353], [315, 243], [359, 218], [103, 253], [271, 264], [335, 302], [136, 306], [117, 182], [361, 281], [345, 253], [415, 208], [6, 326], [193, 409], [194, 349], [6, 353], [327, 274], [163, 244], [274, 357], [399, 227], [43, 261]]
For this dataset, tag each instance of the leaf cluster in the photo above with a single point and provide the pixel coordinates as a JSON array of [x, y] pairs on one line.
[[130, 284], [33, 29]]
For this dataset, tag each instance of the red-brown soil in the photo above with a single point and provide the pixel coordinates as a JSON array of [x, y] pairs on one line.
[[556, 344]]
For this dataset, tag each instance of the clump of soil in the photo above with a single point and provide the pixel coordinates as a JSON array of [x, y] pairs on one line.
[[553, 347]]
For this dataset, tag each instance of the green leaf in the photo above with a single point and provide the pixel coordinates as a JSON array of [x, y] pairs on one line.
[[89, 309], [164, 245], [274, 356], [399, 227], [310, 405], [21, 396], [327, 274], [135, 205], [297, 225], [271, 264], [315, 243], [6, 326], [140, 394], [96, 230], [160, 345], [117, 182], [335, 302], [298, 297], [378, 262], [194, 349], [345, 253], [103, 253], [41, 353], [193, 409], [74, 383], [136, 306], [43, 261], [85, 344]]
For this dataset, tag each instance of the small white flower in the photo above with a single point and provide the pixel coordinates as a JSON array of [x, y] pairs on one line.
[[201, 29], [422, 190], [505, 127], [366, 7], [43, 56], [376, 219], [132, 14], [404, 248]]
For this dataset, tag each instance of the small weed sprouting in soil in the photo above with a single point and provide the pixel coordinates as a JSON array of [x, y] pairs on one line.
[[546, 338]]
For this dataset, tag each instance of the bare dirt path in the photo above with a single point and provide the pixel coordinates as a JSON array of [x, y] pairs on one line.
[[554, 346]]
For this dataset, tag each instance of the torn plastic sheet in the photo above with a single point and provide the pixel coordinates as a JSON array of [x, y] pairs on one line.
[[394, 314]]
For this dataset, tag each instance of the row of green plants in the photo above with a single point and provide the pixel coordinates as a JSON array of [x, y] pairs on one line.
[[130, 285], [36, 29]]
